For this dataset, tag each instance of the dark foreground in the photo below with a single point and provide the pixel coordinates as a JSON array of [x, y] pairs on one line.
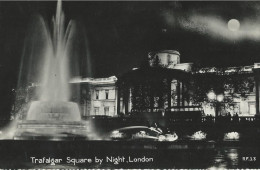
[[180, 154]]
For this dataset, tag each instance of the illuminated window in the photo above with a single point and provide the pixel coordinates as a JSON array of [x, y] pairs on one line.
[[252, 109]]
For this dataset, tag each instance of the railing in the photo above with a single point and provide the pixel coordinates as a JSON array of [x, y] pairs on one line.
[[194, 114], [184, 108], [234, 119], [154, 109], [171, 109]]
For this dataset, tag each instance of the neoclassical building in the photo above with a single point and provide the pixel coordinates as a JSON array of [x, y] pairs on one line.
[[243, 98], [159, 86], [97, 96], [164, 84]]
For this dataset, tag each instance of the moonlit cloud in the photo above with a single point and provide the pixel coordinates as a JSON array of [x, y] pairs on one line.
[[217, 28], [214, 26]]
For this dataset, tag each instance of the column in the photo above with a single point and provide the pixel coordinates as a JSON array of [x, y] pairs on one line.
[[256, 71], [188, 94], [126, 99], [169, 92], [182, 94], [178, 93], [130, 99], [118, 99]]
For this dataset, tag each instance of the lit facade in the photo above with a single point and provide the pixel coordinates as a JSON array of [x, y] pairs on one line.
[[97, 96], [241, 105], [159, 85], [175, 96], [111, 96]]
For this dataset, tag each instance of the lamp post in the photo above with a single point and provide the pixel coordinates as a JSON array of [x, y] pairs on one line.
[[211, 95], [218, 98]]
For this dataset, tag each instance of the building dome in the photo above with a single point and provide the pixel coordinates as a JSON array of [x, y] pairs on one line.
[[164, 58]]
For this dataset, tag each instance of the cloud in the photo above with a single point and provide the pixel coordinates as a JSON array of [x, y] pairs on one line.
[[214, 26]]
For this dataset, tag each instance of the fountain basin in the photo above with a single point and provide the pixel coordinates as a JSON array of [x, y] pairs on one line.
[[53, 111], [52, 120], [51, 130]]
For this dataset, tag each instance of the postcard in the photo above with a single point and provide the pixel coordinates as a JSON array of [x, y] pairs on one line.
[[129, 84]]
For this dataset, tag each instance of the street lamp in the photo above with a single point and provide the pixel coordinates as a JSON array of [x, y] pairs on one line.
[[219, 98], [211, 95]]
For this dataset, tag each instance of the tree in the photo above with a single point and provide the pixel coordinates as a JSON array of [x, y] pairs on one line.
[[148, 94], [231, 86]]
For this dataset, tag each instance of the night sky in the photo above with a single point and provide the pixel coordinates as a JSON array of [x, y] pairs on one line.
[[120, 34]]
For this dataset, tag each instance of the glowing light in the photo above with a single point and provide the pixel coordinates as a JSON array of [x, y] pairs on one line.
[[213, 168], [171, 137], [220, 97], [116, 134], [231, 136], [162, 138], [233, 25], [199, 135], [168, 137], [211, 95]]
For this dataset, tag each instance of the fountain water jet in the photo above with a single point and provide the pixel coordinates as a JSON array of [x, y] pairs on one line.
[[55, 73], [199, 135], [53, 116]]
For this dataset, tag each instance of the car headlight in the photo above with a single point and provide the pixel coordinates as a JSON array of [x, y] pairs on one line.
[[162, 138]]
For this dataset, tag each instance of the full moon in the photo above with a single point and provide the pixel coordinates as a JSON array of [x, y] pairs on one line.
[[233, 25]]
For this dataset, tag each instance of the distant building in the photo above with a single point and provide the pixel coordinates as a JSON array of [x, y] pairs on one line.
[[97, 95], [160, 85], [243, 106], [166, 82]]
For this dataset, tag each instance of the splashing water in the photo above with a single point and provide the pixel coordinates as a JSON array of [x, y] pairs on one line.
[[199, 135], [231, 136], [53, 117]]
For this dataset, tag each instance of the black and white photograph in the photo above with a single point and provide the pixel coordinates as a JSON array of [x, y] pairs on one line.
[[129, 84]]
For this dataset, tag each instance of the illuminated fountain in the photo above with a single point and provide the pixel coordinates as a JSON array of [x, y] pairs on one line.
[[231, 136], [168, 137], [199, 135], [53, 116]]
